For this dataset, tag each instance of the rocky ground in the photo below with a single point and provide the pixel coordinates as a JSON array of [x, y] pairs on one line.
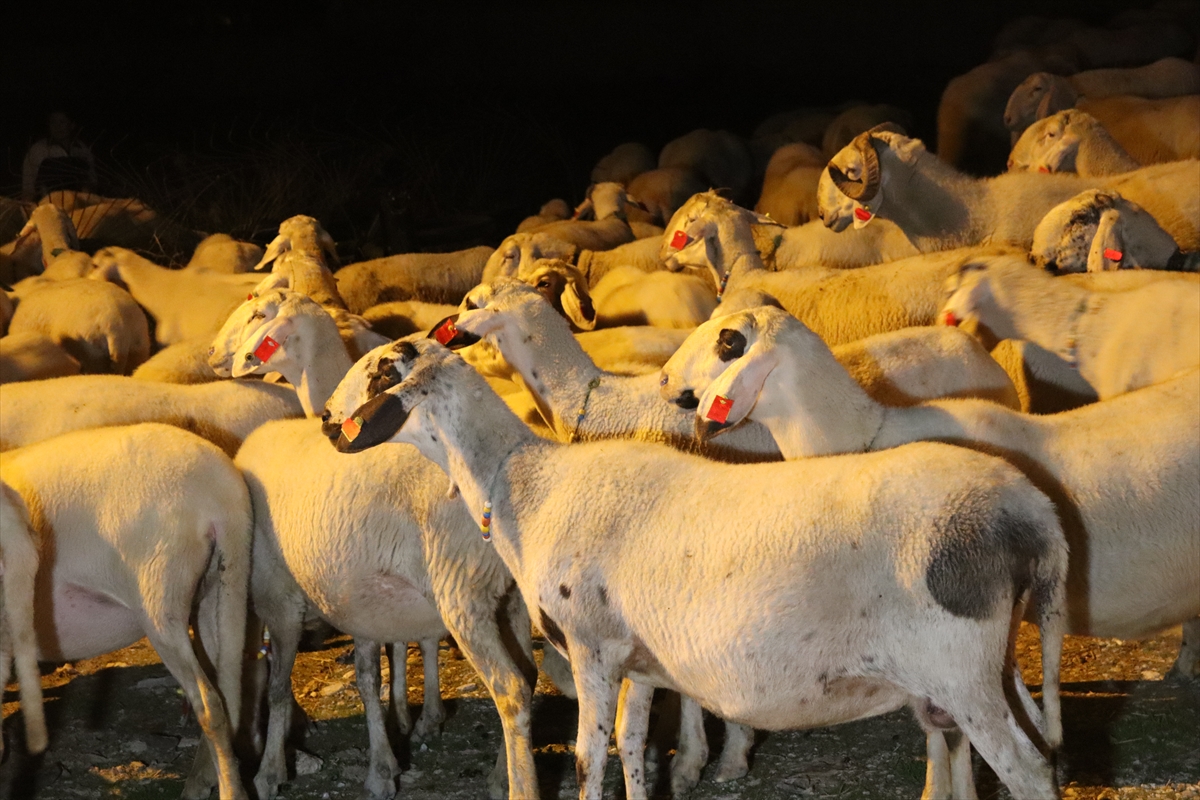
[[118, 728]]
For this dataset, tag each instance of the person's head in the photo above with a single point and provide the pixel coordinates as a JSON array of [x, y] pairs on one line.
[[60, 126]]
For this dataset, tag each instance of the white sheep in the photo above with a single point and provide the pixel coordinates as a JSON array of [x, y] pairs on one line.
[[303, 255], [1117, 340], [18, 637], [1096, 231], [624, 163], [641, 254], [304, 234], [48, 234], [133, 563], [1070, 141], [184, 304], [803, 246], [182, 362], [883, 174], [1152, 131], [741, 640], [789, 191], [224, 412], [1043, 94], [32, 357], [1126, 492], [430, 277], [98, 324], [222, 253], [409, 528]]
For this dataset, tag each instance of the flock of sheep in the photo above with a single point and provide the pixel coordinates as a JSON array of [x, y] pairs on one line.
[[803, 464]]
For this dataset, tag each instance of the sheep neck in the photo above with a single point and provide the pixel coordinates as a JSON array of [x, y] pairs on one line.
[[935, 206], [322, 363], [818, 417], [56, 239], [558, 378]]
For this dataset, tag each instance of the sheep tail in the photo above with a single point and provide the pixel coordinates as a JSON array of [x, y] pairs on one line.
[[1050, 598]]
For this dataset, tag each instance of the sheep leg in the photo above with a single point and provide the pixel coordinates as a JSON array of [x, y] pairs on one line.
[[283, 613], [433, 713], [1187, 665], [692, 753], [478, 633], [598, 680], [633, 722], [383, 768], [17, 619], [170, 640], [937, 767], [735, 754], [399, 684], [983, 713], [558, 669]]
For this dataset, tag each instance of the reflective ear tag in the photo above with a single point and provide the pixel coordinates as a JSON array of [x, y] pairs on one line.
[[250, 296], [266, 349], [1113, 255], [719, 410], [680, 240], [949, 318], [1044, 169], [351, 428], [446, 333], [862, 215]]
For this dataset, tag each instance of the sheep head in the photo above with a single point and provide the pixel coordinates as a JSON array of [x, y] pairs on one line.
[[521, 250], [694, 235], [849, 190], [1037, 97], [1097, 231], [707, 353], [1051, 144], [304, 233]]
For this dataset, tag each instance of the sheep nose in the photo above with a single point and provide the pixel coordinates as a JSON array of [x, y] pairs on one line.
[[331, 429], [687, 399]]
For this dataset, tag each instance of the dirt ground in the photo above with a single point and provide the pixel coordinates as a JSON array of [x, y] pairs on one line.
[[118, 728]]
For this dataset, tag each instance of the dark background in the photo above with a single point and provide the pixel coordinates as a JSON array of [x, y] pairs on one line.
[[232, 115]]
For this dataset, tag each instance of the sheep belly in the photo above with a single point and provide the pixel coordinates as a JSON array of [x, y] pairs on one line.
[[85, 623], [385, 608]]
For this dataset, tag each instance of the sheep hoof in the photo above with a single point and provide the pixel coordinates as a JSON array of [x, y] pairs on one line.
[[684, 777], [380, 786], [497, 781], [429, 726], [266, 784], [1187, 666], [731, 771]]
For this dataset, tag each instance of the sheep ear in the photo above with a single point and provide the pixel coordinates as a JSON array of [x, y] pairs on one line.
[[577, 303], [730, 398], [258, 349], [278, 246], [328, 246], [373, 423], [1108, 247], [273, 281], [1060, 157]]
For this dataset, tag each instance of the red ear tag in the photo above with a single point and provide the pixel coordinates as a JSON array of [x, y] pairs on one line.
[[948, 318], [351, 428], [266, 349], [862, 214], [1113, 255], [1044, 169], [719, 411], [445, 333], [680, 240], [250, 296]]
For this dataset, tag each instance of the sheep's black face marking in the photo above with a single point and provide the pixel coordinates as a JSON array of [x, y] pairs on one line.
[[731, 344], [378, 420], [687, 399], [564, 590], [553, 632], [977, 561], [603, 596], [383, 377]]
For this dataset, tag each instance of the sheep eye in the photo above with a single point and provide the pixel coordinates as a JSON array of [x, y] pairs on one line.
[[470, 304], [544, 283], [257, 315], [731, 344]]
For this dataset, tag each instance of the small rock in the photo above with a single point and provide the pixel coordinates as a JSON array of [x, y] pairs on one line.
[[307, 764], [354, 772], [187, 741], [468, 687], [424, 747], [410, 777], [136, 746], [331, 688], [166, 682]]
